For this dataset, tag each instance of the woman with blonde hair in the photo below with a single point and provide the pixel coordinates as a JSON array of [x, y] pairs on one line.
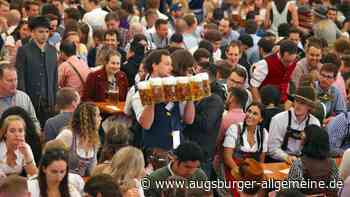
[[82, 138], [15, 153], [124, 175], [117, 137]]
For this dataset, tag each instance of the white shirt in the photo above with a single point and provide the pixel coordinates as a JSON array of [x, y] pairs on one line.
[[34, 189], [66, 136], [77, 181], [95, 18], [259, 72], [278, 129], [20, 162], [232, 135]]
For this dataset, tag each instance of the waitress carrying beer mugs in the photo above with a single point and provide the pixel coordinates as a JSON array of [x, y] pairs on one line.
[[108, 83]]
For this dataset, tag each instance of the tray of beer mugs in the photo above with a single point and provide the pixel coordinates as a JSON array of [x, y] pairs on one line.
[[172, 89]]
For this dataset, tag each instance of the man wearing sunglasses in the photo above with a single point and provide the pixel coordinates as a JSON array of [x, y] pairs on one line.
[[286, 128]]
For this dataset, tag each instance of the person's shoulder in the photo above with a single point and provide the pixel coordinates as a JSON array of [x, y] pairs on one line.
[[33, 182], [121, 74], [301, 62], [280, 115], [160, 174], [99, 73], [199, 175], [314, 120], [58, 118], [50, 48], [335, 90], [20, 93]]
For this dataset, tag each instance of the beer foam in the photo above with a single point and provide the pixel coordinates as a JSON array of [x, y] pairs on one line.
[[143, 85], [196, 78], [204, 76], [156, 81], [182, 79], [169, 81]]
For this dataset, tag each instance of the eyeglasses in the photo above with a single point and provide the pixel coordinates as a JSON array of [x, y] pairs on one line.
[[326, 76], [236, 82]]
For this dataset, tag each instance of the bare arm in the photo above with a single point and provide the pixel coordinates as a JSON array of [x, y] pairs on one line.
[[147, 117], [189, 112], [228, 160], [294, 12], [267, 21], [31, 169], [256, 94], [29, 164]]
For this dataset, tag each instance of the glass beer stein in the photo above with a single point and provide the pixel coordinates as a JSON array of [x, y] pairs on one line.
[[196, 87], [157, 90], [145, 92], [183, 89], [113, 97], [169, 84], [206, 84]]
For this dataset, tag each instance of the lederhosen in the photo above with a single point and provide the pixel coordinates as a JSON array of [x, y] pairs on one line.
[[292, 133]]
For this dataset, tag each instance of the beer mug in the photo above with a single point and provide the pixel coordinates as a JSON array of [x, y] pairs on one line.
[[169, 84], [206, 84], [157, 90], [113, 96], [196, 87], [183, 89], [145, 92]]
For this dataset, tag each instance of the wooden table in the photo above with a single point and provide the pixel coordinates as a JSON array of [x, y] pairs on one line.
[[111, 109], [273, 170]]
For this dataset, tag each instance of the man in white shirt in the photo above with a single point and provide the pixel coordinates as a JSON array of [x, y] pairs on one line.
[[286, 128], [95, 16]]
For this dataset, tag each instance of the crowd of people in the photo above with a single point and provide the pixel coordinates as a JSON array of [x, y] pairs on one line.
[[279, 73]]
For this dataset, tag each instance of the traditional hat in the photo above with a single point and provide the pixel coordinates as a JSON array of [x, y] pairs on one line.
[[320, 11], [307, 95]]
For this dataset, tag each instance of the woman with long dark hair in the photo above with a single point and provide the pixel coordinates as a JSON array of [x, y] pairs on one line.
[[32, 137], [244, 140], [52, 180]]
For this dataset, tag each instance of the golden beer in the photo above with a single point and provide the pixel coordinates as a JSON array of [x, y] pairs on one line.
[[183, 89], [169, 84], [206, 84], [196, 87], [145, 92], [157, 90], [113, 97]]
